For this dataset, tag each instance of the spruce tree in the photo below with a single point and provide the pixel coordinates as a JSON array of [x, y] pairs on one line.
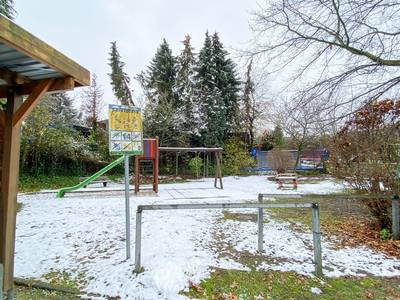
[[7, 8], [159, 84], [62, 111], [120, 81], [161, 75], [227, 82], [209, 96], [218, 88], [185, 89]]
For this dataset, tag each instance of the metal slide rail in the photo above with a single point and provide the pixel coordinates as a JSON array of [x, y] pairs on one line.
[[260, 206], [61, 192]]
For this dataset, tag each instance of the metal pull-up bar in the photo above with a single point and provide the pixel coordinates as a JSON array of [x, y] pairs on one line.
[[260, 206]]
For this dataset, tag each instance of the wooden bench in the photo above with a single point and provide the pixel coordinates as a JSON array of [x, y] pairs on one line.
[[287, 180], [101, 179]]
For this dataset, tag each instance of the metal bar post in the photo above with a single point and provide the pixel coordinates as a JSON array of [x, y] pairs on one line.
[[260, 225], [127, 209], [316, 239], [138, 240], [395, 217]]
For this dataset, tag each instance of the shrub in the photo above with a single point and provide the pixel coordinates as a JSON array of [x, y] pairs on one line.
[[236, 158], [364, 153], [280, 161], [385, 234], [195, 164]]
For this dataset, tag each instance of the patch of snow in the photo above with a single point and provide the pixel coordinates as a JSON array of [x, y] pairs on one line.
[[84, 235], [316, 291]]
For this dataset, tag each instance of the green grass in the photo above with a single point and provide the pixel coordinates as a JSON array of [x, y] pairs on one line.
[[233, 284], [55, 279], [37, 183]]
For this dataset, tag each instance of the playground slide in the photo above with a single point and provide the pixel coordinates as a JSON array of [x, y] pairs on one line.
[[62, 191]]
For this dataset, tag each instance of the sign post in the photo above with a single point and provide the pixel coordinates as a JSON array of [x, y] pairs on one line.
[[125, 138]]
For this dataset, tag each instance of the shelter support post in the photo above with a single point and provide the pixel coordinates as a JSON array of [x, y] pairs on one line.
[[260, 225], [316, 239], [1, 282], [155, 169], [9, 189], [395, 217]]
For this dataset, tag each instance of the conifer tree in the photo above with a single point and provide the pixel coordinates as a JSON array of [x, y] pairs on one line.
[[92, 104], [250, 110], [159, 84], [61, 108], [227, 82], [186, 88], [120, 81], [212, 135], [7, 8], [217, 90]]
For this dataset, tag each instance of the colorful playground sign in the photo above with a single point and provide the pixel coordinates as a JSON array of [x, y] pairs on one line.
[[125, 130]]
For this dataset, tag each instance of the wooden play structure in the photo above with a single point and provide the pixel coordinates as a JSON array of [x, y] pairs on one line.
[[150, 153], [287, 181], [29, 68]]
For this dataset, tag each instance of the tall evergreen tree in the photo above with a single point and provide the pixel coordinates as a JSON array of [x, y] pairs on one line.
[[249, 105], [7, 8], [62, 110], [212, 110], [159, 84], [161, 75], [120, 81], [186, 89], [227, 82], [218, 88]]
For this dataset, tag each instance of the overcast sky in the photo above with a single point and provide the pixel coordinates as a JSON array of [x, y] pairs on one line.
[[83, 29]]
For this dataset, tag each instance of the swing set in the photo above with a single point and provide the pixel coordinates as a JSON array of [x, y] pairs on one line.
[[152, 152]]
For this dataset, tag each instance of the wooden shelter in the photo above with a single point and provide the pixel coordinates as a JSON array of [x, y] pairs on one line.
[[29, 68]]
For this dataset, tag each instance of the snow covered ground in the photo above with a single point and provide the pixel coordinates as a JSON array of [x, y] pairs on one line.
[[84, 235]]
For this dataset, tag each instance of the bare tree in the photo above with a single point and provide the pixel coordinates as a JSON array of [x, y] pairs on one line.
[[300, 123], [345, 51], [92, 103]]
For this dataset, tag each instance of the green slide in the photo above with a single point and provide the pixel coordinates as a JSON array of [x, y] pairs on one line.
[[62, 191]]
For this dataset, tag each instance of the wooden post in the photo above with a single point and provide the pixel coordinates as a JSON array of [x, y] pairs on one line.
[[9, 189]]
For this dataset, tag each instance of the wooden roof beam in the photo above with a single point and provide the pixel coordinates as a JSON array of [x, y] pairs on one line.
[[26, 43], [33, 99], [12, 78], [59, 85]]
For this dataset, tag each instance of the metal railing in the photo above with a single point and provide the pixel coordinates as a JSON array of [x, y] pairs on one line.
[[260, 206]]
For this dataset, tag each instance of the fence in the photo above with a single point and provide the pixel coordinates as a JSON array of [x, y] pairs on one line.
[[309, 160], [260, 206]]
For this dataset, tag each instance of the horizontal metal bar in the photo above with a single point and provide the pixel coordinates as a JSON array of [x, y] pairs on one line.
[[223, 205], [180, 149], [325, 196]]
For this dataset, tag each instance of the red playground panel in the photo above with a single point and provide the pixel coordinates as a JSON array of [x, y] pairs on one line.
[[150, 153]]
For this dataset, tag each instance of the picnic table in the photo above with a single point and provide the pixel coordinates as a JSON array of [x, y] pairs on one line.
[[287, 180]]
